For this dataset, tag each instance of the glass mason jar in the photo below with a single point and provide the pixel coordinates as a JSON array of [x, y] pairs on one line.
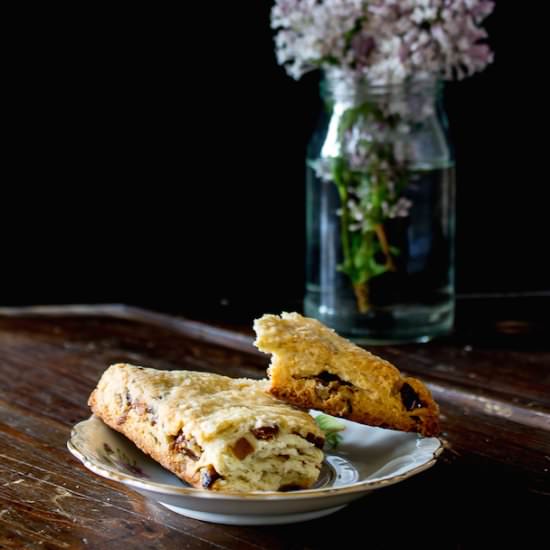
[[380, 212]]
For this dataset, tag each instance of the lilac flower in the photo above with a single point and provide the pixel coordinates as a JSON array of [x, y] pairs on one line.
[[383, 41], [400, 209], [311, 33]]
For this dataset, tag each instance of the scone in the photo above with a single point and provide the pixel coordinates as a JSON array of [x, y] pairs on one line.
[[313, 367], [214, 432]]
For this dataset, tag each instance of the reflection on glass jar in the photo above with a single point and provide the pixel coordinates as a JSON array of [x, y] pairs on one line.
[[380, 212]]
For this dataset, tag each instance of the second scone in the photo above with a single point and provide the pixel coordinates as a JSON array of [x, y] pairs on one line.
[[315, 368]]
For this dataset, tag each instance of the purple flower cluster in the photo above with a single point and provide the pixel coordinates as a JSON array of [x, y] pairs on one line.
[[384, 41]]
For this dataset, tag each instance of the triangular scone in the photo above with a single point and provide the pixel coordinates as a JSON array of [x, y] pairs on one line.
[[313, 367], [214, 432]]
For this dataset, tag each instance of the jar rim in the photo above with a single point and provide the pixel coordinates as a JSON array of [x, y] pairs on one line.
[[343, 85]]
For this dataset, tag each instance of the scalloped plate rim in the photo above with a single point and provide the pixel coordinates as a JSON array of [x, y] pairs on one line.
[[158, 488]]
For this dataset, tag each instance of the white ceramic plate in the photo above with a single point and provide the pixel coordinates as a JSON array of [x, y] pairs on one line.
[[367, 459]]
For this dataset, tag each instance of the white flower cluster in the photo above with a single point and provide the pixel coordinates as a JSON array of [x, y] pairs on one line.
[[361, 210], [384, 41], [313, 33]]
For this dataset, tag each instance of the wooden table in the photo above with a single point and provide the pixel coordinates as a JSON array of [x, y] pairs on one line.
[[491, 483]]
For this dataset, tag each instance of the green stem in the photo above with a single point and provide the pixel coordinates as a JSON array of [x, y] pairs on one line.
[[344, 227], [344, 218]]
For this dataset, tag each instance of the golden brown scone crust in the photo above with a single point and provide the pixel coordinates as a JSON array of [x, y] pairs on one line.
[[213, 431], [315, 368]]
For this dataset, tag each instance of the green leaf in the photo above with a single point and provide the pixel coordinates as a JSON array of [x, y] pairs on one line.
[[331, 427], [349, 117], [376, 268]]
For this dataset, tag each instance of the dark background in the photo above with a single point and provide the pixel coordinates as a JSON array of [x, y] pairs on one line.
[[157, 158]]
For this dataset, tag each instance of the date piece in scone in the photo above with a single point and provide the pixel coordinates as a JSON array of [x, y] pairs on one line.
[[313, 367], [212, 431]]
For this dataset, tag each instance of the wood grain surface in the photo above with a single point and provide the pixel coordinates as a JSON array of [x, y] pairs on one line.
[[492, 482]]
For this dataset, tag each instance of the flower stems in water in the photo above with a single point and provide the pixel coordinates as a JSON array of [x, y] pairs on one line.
[[361, 291], [372, 241], [381, 234], [370, 176]]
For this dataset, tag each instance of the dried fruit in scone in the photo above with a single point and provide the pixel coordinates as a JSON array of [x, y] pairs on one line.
[[313, 367], [212, 431]]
